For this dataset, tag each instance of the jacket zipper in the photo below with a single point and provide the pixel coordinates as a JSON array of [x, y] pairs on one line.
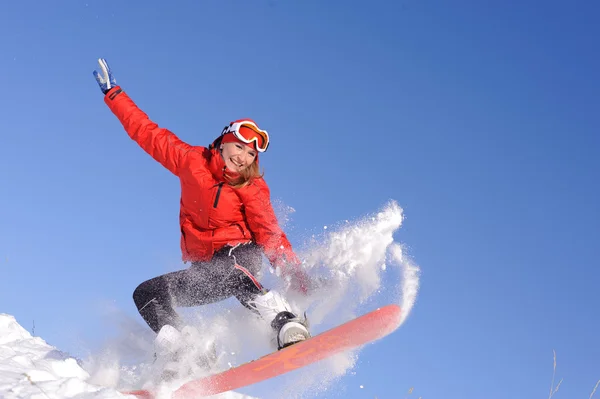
[[218, 194]]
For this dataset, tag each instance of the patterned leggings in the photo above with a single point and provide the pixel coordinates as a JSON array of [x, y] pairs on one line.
[[231, 272]]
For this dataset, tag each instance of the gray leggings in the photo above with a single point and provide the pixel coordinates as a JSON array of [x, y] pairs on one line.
[[231, 272]]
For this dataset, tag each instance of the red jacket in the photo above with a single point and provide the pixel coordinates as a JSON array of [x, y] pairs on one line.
[[212, 213]]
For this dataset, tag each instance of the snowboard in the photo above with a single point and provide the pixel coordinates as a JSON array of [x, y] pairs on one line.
[[352, 334]]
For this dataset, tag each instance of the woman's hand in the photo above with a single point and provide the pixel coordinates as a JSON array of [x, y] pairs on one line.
[[105, 78]]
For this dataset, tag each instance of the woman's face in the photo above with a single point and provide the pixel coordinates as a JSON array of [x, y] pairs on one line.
[[237, 156]]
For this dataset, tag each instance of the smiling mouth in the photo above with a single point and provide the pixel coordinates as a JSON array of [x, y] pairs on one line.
[[237, 165]]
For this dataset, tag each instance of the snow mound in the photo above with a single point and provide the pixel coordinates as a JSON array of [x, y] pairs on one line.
[[30, 368]]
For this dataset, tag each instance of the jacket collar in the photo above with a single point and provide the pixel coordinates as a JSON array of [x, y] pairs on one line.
[[217, 166]]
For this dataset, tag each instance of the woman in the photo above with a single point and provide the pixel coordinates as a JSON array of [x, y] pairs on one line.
[[226, 218]]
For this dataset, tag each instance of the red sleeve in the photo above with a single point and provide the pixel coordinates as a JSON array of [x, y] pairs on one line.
[[264, 225], [160, 143]]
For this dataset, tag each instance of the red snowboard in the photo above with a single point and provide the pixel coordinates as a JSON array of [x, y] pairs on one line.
[[364, 329]]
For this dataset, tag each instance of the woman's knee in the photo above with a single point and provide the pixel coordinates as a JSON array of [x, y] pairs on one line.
[[148, 290]]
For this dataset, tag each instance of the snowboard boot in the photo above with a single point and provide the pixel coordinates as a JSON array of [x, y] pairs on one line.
[[167, 346], [201, 349], [167, 342], [183, 353], [288, 327]]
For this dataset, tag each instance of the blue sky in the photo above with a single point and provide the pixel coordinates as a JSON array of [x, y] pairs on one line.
[[479, 118]]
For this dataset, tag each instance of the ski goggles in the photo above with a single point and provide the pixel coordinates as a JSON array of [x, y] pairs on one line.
[[247, 132]]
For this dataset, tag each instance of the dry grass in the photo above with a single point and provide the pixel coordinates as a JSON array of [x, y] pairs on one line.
[[594, 391], [554, 389]]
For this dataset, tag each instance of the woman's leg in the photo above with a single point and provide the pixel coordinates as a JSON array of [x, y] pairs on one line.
[[154, 303], [269, 304], [157, 298], [240, 267], [233, 271]]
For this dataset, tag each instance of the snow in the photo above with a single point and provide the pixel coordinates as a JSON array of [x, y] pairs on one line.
[[30, 368], [348, 260], [358, 265]]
